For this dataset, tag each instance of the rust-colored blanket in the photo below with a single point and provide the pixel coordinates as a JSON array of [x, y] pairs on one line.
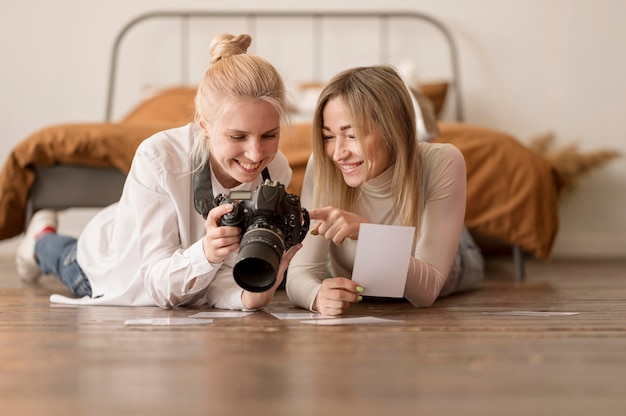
[[102, 145], [511, 190]]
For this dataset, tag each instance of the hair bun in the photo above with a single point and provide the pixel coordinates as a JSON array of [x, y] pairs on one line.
[[225, 45]]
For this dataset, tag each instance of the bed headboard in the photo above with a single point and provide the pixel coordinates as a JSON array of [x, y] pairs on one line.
[[171, 47]]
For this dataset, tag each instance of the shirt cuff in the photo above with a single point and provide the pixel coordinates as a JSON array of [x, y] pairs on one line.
[[198, 265]]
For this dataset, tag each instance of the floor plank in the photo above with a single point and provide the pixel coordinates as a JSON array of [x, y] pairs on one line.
[[455, 357]]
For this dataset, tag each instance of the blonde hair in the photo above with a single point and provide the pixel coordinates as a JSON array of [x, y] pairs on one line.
[[234, 75], [373, 97]]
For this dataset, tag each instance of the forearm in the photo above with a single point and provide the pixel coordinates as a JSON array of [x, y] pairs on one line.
[[303, 289], [423, 284], [179, 279], [256, 300], [306, 272]]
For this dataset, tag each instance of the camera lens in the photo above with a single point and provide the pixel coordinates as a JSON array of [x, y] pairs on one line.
[[260, 252]]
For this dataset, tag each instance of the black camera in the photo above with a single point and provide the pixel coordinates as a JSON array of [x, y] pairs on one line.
[[271, 221]]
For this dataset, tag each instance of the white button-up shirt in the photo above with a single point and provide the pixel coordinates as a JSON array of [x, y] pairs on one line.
[[146, 249]]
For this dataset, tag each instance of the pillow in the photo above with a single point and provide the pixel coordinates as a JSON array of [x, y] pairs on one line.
[[173, 105], [176, 104], [436, 93], [303, 97], [425, 118], [511, 190]]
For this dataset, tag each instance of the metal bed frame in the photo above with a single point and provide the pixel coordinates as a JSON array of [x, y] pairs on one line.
[[61, 187]]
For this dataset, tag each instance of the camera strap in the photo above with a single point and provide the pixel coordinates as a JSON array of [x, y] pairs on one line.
[[203, 188]]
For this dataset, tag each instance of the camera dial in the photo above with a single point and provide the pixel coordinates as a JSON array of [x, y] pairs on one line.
[[235, 216]]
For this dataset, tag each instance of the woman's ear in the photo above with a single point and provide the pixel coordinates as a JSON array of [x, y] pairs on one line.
[[202, 125]]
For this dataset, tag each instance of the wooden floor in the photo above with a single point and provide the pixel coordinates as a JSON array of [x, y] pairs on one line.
[[455, 358]]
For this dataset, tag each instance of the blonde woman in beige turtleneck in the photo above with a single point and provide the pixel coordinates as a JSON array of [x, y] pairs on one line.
[[368, 167]]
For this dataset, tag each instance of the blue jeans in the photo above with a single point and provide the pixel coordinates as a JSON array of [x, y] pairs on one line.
[[56, 255], [468, 268]]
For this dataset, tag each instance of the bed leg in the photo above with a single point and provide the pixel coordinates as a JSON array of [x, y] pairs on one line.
[[518, 264]]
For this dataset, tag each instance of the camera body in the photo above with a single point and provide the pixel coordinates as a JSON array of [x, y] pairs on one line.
[[271, 221]]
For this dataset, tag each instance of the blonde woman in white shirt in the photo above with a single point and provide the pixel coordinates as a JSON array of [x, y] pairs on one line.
[[369, 167], [154, 247]]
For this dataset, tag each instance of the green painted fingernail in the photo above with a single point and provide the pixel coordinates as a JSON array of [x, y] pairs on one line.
[[360, 298], [359, 289]]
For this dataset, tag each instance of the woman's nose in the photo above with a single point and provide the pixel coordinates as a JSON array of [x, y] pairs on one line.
[[254, 150], [341, 149]]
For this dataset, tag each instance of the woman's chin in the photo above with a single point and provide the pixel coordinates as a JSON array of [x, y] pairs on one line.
[[352, 181]]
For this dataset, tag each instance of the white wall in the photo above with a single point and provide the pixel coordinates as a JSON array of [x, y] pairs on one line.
[[527, 67]]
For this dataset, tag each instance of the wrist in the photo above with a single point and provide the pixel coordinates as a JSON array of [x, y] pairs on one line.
[[254, 300], [314, 307]]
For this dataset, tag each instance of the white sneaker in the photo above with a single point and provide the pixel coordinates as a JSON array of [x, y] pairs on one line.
[[27, 268]]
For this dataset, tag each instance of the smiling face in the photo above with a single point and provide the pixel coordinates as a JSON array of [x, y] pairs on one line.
[[342, 147], [243, 142]]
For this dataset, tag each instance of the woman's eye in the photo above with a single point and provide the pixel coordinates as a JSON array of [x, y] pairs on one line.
[[324, 137], [236, 137]]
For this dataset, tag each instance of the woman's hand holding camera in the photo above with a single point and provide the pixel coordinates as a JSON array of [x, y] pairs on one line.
[[219, 241]]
